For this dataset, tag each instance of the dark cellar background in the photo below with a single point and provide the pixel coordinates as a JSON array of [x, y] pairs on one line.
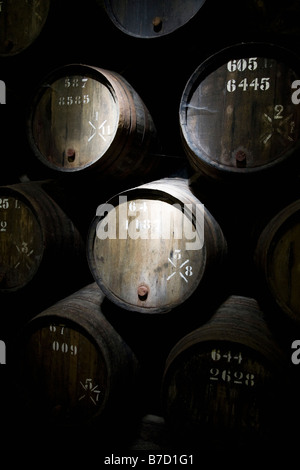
[[158, 69]]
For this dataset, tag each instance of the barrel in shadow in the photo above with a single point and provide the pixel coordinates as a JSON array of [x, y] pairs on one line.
[[84, 117], [42, 254], [151, 19], [277, 257], [72, 366], [151, 435], [20, 24], [223, 385], [151, 247], [239, 112]]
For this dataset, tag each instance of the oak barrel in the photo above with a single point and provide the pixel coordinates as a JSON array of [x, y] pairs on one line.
[[222, 383], [83, 117], [146, 19], [72, 366], [41, 250], [239, 112], [277, 257], [151, 247], [20, 24]]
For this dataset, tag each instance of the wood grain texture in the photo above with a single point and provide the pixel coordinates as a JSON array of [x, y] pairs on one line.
[[72, 363], [146, 19], [145, 253], [39, 243], [20, 24], [84, 117], [222, 383], [237, 116], [277, 259]]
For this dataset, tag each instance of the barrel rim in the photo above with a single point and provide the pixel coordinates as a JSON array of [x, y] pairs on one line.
[[266, 244], [217, 330]]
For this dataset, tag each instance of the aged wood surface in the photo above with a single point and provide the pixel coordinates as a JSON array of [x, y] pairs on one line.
[[20, 24], [72, 362], [148, 253], [39, 244], [239, 113], [84, 117], [222, 381], [277, 258], [146, 19]]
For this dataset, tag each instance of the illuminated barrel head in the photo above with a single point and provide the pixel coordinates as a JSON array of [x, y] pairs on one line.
[[239, 112], [75, 121], [152, 247], [87, 118]]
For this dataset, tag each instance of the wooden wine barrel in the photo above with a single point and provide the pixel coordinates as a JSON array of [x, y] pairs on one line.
[[277, 257], [151, 19], [20, 24], [84, 117], [240, 113], [222, 383], [41, 251], [72, 366], [151, 247]]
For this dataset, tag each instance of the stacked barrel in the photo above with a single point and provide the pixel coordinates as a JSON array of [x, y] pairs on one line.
[[149, 225]]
